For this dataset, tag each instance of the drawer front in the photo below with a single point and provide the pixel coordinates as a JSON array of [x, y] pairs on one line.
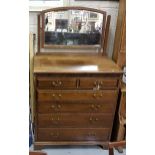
[[75, 120], [87, 107], [104, 95], [73, 134], [56, 83], [98, 83]]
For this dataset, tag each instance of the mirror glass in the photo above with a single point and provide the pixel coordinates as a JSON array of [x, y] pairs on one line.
[[73, 27]]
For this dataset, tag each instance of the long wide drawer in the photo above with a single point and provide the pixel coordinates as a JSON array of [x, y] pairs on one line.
[[56, 83], [75, 120], [83, 107], [73, 134], [76, 95]]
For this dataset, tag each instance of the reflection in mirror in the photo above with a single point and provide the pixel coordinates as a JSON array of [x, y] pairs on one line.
[[73, 27]]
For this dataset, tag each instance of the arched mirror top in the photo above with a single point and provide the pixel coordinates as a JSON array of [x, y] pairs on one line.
[[72, 27]]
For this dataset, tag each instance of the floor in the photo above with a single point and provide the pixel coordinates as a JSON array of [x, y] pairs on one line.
[[78, 150]]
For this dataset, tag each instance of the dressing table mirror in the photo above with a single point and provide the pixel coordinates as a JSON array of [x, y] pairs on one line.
[[72, 28], [76, 84]]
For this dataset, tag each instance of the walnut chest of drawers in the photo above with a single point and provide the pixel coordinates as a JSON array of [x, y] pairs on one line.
[[76, 97]]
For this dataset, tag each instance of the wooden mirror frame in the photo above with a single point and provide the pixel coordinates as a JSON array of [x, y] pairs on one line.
[[104, 36]]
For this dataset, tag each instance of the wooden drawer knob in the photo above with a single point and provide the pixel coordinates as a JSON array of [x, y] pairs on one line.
[[101, 95], [60, 95], [60, 83], [54, 83], [93, 106], [96, 119], [56, 106], [93, 119], [98, 106], [55, 120], [94, 95], [53, 95], [101, 83], [54, 134], [59, 106], [92, 134], [95, 83], [53, 106]]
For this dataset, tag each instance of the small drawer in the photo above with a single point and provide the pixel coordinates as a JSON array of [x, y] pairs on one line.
[[75, 120], [56, 83], [77, 95], [73, 134], [98, 83], [66, 106]]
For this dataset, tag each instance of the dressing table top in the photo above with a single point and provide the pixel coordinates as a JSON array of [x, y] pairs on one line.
[[74, 63]]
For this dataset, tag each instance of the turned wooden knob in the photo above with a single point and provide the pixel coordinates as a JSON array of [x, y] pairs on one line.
[[53, 95], [98, 106], [93, 106], [53, 106], [101, 83], [96, 119], [54, 83], [91, 134], [60, 83], [59, 106], [90, 119], [59, 95], [101, 95], [94, 95], [54, 134], [95, 83]]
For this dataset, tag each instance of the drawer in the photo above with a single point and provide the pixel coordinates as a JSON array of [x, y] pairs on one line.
[[56, 83], [97, 83], [77, 95], [87, 106], [75, 120], [73, 134]]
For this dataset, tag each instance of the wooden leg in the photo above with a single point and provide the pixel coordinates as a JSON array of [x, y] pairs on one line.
[[37, 153], [121, 133], [38, 147], [113, 145], [111, 151], [103, 147]]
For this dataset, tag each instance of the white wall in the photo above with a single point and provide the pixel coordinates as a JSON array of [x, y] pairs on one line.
[[111, 7], [40, 5]]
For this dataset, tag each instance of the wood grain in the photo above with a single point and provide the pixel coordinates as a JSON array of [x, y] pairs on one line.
[[76, 107], [106, 34], [80, 120], [120, 35], [76, 95], [73, 134], [31, 54], [37, 153], [71, 63]]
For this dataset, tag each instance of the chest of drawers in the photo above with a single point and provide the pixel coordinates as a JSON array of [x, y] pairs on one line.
[[74, 106]]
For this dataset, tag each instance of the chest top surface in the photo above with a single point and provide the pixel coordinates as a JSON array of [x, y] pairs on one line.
[[64, 63]]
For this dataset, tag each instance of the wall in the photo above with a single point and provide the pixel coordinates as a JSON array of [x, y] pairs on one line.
[[110, 6]]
